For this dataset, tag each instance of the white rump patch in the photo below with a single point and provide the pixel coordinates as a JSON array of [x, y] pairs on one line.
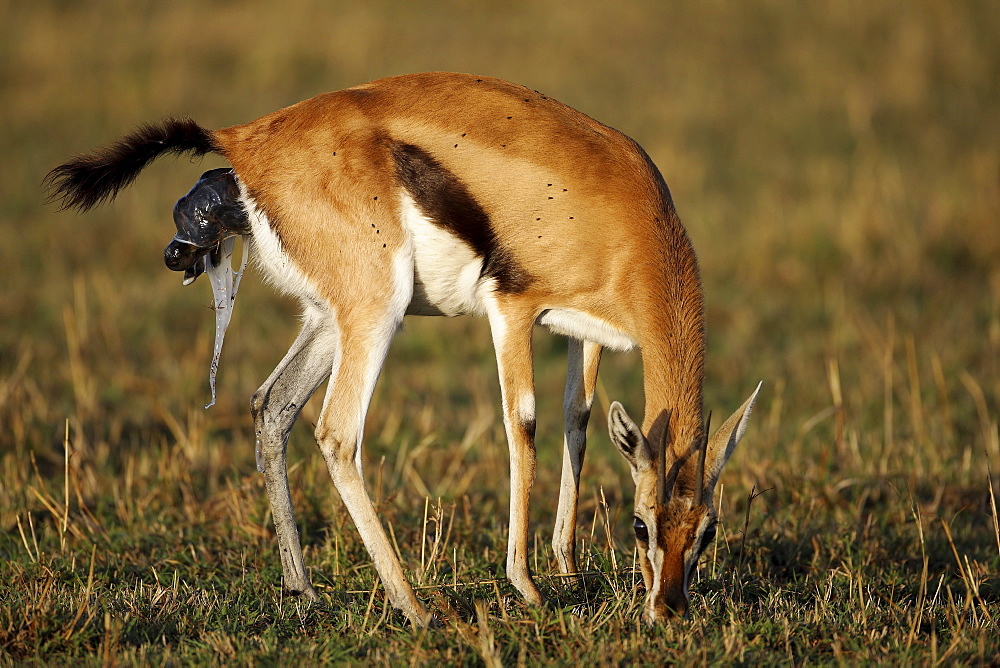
[[271, 257], [225, 283], [585, 327]]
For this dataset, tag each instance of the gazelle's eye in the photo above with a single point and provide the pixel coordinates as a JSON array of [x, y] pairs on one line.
[[641, 532], [707, 537]]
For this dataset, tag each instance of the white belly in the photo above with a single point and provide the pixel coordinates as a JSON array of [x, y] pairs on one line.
[[269, 255], [585, 327], [447, 274]]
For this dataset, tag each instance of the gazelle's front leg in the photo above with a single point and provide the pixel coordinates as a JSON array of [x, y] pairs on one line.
[[581, 378], [275, 407], [511, 330], [339, 434]]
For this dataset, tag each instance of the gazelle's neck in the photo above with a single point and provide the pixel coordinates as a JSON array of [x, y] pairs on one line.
[[673, 358], [674, 386]]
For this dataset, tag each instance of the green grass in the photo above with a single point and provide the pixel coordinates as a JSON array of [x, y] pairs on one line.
[[838, 168]]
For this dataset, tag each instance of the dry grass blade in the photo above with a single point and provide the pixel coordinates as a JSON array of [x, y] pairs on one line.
[[487, 642], [33, 555], [918, 611], [84, 598], [993, 504]]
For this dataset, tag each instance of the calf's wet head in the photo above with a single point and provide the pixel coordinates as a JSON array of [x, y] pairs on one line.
[[209, 213]]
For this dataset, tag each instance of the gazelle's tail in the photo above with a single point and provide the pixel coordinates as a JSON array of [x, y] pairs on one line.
[[91, 179]]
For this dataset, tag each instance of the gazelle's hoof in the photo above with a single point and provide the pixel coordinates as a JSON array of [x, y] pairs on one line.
[[307, 592], [421, 619], [529, 591]]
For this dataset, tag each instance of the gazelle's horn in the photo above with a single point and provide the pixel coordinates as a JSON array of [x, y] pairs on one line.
[[661, 461], [700, 472]]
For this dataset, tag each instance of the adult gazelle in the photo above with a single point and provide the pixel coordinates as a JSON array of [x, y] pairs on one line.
[[452, 194]]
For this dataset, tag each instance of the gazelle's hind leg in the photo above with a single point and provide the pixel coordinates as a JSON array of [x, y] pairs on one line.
[[275, 407], [511, 328], [581, 378], [365, 342]]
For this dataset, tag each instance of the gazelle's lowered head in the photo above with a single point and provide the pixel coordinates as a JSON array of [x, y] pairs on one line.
[[674, 517]]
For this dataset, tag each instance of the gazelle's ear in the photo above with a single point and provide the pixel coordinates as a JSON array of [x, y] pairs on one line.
[[628, 438], [721, 446]]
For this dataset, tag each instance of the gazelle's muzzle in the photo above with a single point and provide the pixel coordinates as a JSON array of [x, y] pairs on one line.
[[668, 598]]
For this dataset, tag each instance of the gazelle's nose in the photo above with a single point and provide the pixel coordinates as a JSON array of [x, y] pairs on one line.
[[665, 609]]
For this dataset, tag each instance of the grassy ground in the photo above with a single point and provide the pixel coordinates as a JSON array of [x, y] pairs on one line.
[[838, 167]]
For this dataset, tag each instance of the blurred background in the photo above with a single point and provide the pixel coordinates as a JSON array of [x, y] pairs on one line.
[[836, 165]]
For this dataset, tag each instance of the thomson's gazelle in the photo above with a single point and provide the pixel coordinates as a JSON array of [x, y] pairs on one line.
[[449, 194]]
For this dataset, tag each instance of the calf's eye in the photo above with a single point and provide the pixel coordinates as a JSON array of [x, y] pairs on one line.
[[641, 532]]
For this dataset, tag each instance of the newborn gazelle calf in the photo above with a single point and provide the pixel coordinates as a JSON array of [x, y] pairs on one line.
[[450, 194]]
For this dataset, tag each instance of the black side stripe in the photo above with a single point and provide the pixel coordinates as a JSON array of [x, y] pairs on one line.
[[445, 200]]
